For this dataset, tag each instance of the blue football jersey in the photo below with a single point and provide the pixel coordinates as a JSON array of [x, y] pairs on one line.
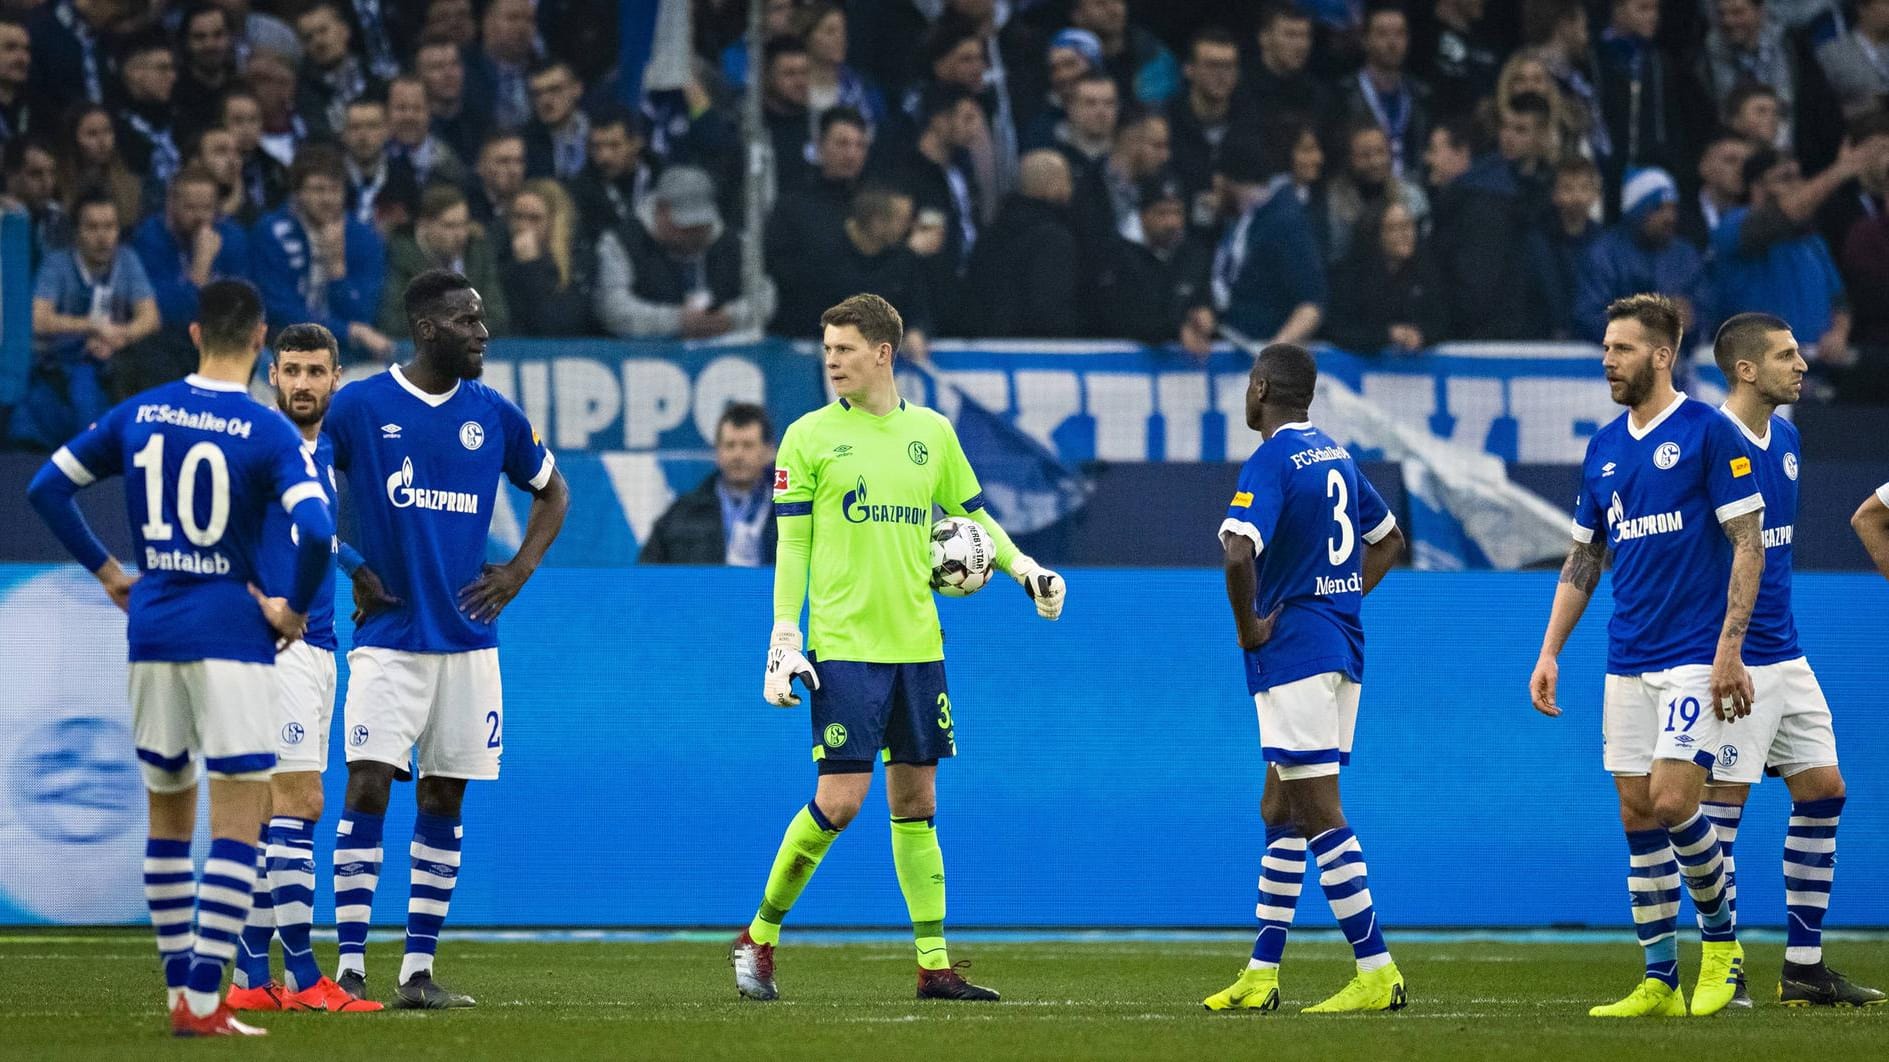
[[1772, 636], [1309, 515], [423, 471], [203, 465], [278, 555], [1660, 493]]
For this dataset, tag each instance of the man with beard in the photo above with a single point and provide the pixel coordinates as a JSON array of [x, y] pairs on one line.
[[1789, 730], [207, 48], [1668, 487], [305, 373], [423, 446]]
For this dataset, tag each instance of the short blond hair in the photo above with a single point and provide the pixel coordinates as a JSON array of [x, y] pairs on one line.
[[875, 318]]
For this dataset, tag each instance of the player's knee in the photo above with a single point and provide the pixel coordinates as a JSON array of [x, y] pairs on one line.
[[297, 795], [1824, 784], [440, 796], [1672, 807], [369, 786]]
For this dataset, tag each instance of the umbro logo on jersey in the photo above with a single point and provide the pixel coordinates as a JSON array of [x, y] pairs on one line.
[[390, 431], [842, 449], [1607, 470]]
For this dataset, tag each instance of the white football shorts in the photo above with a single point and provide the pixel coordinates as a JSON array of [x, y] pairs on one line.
[[1305, 727], [448, 707], [1661, 715], [1788, 729], [305, 696], [221, 712]]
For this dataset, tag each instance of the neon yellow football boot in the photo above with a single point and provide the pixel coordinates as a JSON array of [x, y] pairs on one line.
[[1654, 998], [1379, 989], [1721, 968], [1255, 990]]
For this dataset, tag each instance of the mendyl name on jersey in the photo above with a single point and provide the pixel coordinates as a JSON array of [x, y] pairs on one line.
[[1326, 586], [165, 413]]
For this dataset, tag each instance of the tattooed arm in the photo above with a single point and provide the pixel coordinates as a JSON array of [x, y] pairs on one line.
[[1580, 574], [1731, 684]]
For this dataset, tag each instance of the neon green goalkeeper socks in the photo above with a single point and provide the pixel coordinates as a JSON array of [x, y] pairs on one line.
[[920, 864], [802, 847]]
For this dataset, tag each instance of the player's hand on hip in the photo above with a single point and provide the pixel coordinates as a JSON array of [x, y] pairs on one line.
[[370, 594], [1541, 685], [288, 624], [1732, 692], [485, 597], [117, 583], [1256, 630], [1045, 587], [785, 663]]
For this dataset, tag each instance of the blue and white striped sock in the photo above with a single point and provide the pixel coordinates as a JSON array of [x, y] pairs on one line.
[[1281, 878], [1653, 890], [1703, 868], [1341, 872], [170, 891], [1725, 819], [435, 852], [357, 875], [292, 886], [1810, 862], [252, 953], [223, 898]]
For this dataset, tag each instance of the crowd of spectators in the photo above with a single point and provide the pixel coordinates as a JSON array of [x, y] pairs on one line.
[[1385, 176]]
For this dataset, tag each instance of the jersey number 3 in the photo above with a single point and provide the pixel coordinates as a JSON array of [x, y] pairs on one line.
[[203, 454], [1344, 537]]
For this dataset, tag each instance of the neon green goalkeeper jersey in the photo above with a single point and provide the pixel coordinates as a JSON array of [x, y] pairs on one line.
[[853, 495]]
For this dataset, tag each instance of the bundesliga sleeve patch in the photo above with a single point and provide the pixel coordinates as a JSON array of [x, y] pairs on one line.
[[1242, 499], [1741, 466], [780, 481]]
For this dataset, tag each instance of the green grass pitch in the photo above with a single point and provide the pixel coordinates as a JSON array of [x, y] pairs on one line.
[[94, 995]]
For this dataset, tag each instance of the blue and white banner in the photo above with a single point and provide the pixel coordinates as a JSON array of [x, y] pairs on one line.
[[633, 426], [1098, 401]]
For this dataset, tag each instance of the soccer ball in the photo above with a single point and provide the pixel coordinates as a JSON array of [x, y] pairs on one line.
[[962, 557]]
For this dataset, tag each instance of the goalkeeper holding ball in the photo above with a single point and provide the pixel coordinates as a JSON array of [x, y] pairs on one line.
[[853, 492]]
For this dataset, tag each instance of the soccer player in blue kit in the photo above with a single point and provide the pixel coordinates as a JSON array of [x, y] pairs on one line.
[[1789, 730], [1306, 537], [305, 372], [1668, 486], [423, 446], [203, 464]]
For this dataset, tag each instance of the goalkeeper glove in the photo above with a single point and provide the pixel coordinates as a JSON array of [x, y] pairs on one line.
[[1045, 587], [785, 662]]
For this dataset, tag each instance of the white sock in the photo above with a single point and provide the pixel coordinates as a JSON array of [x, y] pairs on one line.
[[1256, 964], [415, 962], [202, 1004]]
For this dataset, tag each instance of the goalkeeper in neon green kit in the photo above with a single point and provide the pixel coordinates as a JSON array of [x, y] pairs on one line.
[[854, 487]]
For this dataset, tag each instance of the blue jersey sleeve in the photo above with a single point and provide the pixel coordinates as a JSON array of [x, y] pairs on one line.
[[1254, 511], [1587, 513], [1730, 485], [1374, 517], [296, 483], [528, 463], [94, 455]]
